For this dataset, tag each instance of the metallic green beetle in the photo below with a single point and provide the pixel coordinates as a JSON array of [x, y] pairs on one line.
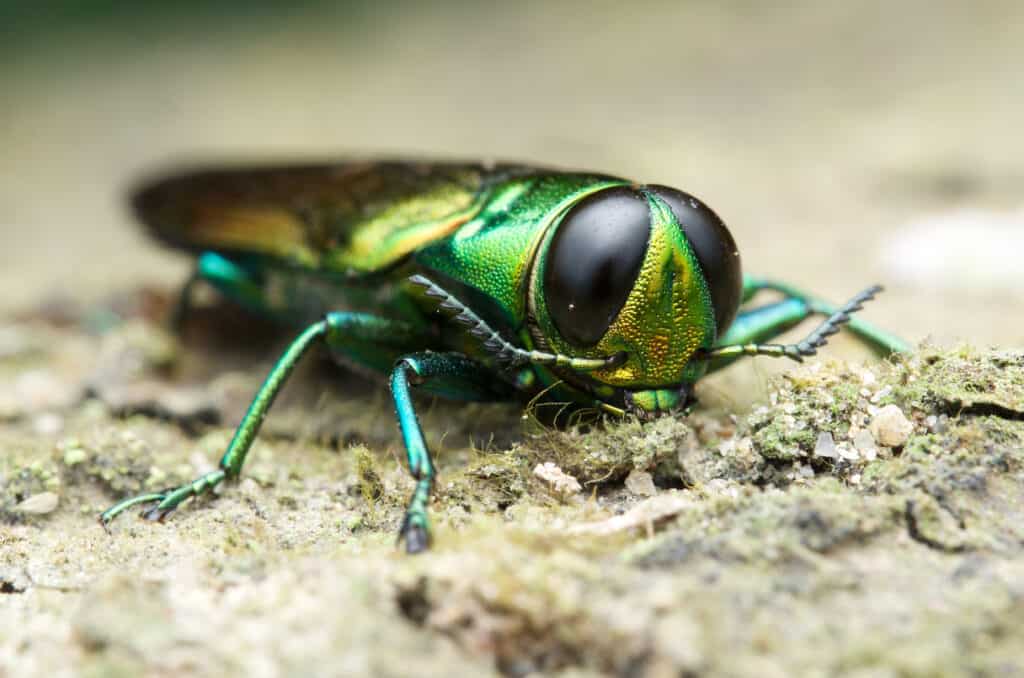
[[477, 282]]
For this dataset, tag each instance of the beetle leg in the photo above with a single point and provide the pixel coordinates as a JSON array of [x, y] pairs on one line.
[[504, 351], [767, 322], [229, 277], [346, 332], [451, 374], [183, 303], [761, 324]]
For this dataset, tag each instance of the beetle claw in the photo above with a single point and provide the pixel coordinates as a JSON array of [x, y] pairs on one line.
[[155, 513], [415, 534], [416, 538]]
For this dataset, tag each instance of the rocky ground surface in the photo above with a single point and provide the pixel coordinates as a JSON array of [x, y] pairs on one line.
[[867, 520]]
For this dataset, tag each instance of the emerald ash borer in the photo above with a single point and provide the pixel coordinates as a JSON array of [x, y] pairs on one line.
[[478, 282]]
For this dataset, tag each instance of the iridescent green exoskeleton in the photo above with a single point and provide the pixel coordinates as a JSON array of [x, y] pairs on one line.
[[478, 282]]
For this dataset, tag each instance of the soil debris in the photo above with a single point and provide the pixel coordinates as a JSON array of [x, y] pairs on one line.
[[561, 483], [859, 493]]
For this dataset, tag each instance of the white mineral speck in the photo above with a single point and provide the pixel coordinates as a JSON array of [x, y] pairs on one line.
[[881, 394], [558, 480], [848, 452]]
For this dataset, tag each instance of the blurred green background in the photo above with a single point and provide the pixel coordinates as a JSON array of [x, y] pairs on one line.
[[844, 142]]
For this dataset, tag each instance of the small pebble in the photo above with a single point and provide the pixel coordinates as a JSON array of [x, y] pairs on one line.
[[890, 427], [881, 394], [563, 484], [641, 484], [865, 444], [847, 452], [825, 446], [39, 504]]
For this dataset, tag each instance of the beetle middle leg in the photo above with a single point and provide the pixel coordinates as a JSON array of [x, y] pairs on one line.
[[454, 376], [369, 339]]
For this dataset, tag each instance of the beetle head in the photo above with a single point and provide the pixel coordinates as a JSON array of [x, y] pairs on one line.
[[649, 274]]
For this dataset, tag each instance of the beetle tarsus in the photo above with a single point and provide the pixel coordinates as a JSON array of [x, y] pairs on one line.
[[417, 540], [819, 337], [415, 535], [155, 514], [153, 498]]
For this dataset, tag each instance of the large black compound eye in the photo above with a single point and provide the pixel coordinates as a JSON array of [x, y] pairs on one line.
[[594, 260], [715, 250]]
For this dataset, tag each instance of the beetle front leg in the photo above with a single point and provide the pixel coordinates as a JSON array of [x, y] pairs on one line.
[[757, 325], [767, 322], [369, 339], [231, 462], [451, 374]]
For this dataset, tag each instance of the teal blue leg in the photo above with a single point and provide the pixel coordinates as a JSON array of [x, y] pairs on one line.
[[241, 284], [449, 374], [762, 324], [752, 327], [179, 314], [358, 333], [232, 279]]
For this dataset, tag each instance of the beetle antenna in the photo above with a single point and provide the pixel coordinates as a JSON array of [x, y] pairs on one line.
[[502, 349], [808, 346]]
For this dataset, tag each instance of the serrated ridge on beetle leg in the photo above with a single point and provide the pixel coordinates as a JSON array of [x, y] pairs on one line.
[[831, 325]]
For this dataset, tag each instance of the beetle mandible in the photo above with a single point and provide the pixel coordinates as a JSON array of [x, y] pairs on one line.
[[478, 282]]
